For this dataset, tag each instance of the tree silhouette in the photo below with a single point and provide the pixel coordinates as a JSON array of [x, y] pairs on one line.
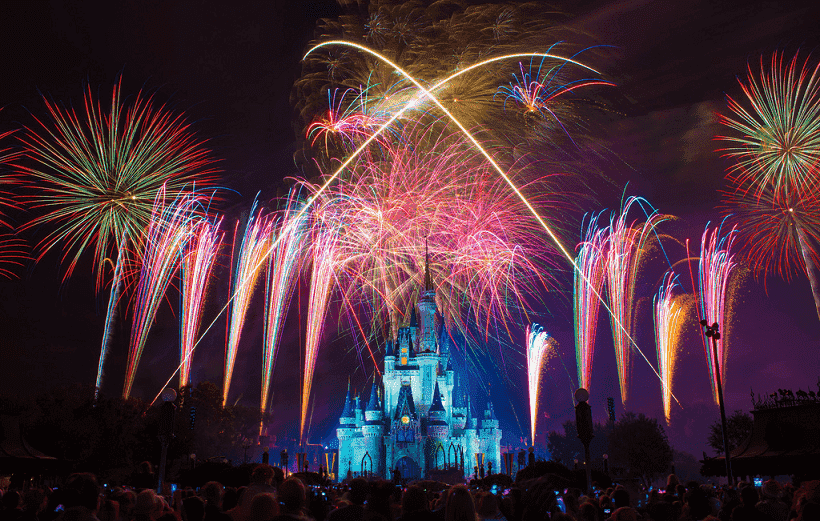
[[639, 445], [738, 427]]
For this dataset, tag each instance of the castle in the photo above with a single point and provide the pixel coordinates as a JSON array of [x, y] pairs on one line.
[[422, 422]]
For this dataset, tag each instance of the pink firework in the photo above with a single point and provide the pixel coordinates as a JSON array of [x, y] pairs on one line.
[[344, 121], [283, 269], [715, 267], [589, 287], [250, 263], [626, 243], [168, 232], [197, 264]]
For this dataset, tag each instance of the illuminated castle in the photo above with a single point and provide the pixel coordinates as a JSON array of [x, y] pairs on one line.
[[423, 421]]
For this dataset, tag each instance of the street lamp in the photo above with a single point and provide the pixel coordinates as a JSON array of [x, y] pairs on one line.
[[583, 423], [166, 430], [713, 332]]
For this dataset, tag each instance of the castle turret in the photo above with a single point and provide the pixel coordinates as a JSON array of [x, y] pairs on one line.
[[373, 433], [427, 309], [437, 426], [346, 431]]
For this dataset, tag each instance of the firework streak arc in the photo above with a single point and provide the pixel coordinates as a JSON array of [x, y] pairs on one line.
[[253, 252], [197, 263], [168, 231], [589, 282], [283, 268], [667, 328], [715, 267], [538, 345]]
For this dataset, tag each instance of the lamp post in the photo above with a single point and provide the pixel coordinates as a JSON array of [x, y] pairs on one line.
[[166, 430], [583, 422], [713, 332], [606, 464]]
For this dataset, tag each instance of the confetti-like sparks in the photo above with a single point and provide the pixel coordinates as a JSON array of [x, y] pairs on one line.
[[197, 264], [251, 259], [589, 284], [283, 269], [625, 247], [714, 269], [667, 328], [168, 232], [778, 146], [539, 344]]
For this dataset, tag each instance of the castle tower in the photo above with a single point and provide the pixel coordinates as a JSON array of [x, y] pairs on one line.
[[373, 432], [427, 310], [345, 433]]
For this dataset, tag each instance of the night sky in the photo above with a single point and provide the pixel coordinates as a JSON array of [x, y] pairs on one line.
[[230, 68]]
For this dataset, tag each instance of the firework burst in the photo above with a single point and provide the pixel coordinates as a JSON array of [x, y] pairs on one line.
[[777, 144], [98, 173]]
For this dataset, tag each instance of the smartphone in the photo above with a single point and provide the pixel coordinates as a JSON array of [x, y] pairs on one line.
[[607, 511], [173, 487], [561, 506], [758, 482], [494, 489]]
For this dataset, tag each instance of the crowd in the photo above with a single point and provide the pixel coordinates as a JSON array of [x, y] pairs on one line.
[[271, 497]]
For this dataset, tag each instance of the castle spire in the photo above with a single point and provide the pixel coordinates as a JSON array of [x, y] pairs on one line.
[[347, 412]]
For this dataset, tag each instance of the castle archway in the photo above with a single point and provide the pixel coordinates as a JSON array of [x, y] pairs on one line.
[[408, 468]]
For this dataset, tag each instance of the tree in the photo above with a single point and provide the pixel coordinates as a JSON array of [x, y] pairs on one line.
[[738, 427], [639, 445], [566, 448]]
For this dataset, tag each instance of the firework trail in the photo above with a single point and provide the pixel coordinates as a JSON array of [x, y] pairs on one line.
[[197, 264], [778, 145], [589, 284], [715, 267], [169, 230], [251, 257], [283, 269], [625, 247], [98, 174], [324, 268], [345, 124], [12, 249], [667, 330], [539, 344]]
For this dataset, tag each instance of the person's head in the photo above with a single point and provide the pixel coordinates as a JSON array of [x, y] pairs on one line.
[[84, 489], [11, 500], [460, 505], [771, 489], [230, 498], [262, 474], [212, 493], [587, 512], [625, 514], [748, 495], [193, 509], [148, 505], [620, 498], [109, 510], [487, 505], [263, 507], [359, 488], [292, 495], [413, 500]]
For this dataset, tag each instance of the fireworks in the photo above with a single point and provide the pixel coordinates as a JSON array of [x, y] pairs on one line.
[[539, 344], [625, 248], [589, 286], [667, 329], [197, 264], [251, 258], [283, 268], [168, 231], [778, 146], [321, 284], [98, 174], [714, 269]]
